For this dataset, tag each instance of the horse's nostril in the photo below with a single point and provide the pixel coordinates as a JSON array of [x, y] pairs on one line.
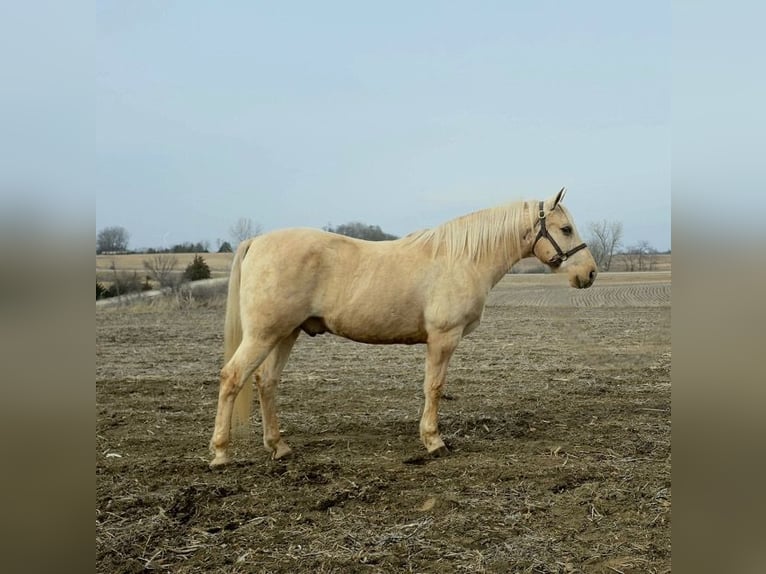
[[592, 274]]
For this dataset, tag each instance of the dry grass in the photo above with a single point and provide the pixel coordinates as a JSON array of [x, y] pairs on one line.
[[189, 295]]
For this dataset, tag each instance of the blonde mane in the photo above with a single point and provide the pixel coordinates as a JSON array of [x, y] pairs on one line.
[[480, 234]]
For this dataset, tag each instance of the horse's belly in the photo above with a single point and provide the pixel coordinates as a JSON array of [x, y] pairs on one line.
[[380, 330], [376, 339]]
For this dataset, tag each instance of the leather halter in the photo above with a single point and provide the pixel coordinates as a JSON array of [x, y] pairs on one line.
[[560, 256]]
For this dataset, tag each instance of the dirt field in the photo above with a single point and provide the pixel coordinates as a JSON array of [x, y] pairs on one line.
[[557, 415]]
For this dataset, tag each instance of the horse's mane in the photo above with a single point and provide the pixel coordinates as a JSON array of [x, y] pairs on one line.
[[481, 233]]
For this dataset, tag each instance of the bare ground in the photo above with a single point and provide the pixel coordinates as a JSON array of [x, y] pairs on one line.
[[557, 415]]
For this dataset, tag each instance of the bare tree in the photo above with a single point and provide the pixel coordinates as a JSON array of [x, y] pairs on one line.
[[243, 229], [604, 239], [640, 257], [160, 268], [112, 240]]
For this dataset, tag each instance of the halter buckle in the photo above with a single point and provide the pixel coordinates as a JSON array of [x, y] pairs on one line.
[[541, 214]]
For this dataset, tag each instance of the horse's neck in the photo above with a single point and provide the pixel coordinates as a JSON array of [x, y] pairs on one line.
[[496, 265], [496, 268]]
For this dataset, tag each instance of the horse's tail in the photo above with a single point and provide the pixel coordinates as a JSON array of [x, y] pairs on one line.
[[232, 337]]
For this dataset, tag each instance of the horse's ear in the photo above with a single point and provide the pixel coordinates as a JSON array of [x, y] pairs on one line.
[[551, 204], [559, 197]]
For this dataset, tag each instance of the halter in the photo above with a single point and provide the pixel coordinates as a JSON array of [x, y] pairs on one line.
[[560, 256]]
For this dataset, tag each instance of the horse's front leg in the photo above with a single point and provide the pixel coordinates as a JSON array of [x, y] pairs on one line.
[[438, 355]]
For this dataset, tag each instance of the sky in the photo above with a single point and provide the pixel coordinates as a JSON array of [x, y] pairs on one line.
[[397, 114]]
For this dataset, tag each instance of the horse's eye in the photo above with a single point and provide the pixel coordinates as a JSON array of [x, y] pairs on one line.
[[567, 230]]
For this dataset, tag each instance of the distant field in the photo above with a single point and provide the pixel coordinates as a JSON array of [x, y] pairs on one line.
[[219, 264], [106, 265], [532, 265]]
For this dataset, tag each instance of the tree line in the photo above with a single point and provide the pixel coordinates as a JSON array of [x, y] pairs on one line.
[[360, 231], [114, 240]]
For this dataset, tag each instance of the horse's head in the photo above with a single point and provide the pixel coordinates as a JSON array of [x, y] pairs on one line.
[[558, 245]]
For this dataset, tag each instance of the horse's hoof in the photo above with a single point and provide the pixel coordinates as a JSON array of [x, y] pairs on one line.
[[439, 452], [219, 462], [282, 451]]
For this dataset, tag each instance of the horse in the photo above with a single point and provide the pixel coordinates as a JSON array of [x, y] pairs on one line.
[[428, 287]]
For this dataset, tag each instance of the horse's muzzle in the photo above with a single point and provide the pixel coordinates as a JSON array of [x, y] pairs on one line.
[[585, 282], [581, 280]]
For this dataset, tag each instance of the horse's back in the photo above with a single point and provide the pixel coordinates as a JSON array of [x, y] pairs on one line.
[[302, 254]]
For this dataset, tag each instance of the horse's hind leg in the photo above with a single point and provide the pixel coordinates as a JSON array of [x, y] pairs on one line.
[[266, 379], [248, 357]]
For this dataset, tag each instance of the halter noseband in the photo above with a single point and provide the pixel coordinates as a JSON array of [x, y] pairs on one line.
[[560, 256]]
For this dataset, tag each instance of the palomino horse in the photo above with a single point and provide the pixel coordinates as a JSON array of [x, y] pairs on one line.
[[428, 287]]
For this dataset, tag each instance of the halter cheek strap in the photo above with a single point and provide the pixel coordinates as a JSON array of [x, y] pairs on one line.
[[560, 256]]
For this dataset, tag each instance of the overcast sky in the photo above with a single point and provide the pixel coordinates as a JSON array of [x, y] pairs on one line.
[[398, 114]]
